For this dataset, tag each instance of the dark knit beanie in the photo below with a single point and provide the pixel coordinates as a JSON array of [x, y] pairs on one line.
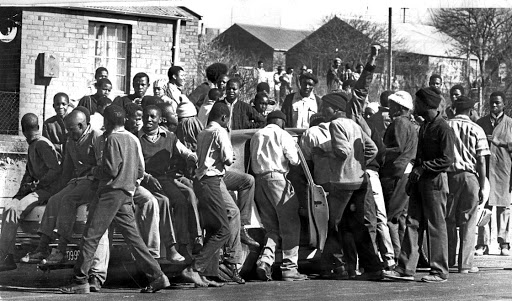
[[337, 100], [463, 103], [276, 114], [429, 96]]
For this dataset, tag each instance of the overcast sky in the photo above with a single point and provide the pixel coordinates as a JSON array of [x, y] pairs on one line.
[[299, 14]]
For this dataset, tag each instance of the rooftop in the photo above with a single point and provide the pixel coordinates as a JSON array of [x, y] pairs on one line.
[[278, 38], [163, 12]]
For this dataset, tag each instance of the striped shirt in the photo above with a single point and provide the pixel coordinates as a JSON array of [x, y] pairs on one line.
[[470, 144]]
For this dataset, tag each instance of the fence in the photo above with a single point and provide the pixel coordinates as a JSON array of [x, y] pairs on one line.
[[9, 112]]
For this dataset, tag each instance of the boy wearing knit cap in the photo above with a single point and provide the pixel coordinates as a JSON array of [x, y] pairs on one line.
[[401, 140], [466, 179], [428, 189], [272, 150]]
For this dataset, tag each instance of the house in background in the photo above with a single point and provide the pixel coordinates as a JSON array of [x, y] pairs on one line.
[[124, 39], [261, 43]]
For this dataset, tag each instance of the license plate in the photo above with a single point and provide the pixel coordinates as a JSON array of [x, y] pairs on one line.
[[72, 255]]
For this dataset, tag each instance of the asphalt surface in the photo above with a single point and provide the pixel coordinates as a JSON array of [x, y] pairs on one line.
[[493, 282]]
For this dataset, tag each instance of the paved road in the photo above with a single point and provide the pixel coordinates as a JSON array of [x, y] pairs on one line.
[[492, 283]]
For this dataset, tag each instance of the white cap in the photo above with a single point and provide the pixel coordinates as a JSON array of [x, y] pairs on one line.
[[402, 98], [374, 106]]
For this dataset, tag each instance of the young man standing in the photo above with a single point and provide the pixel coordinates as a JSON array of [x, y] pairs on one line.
[[428, 188], [300, 106], [334, 82]]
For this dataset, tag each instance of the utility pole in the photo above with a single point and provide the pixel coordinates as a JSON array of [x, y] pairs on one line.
[[404, 9], [389, 49]]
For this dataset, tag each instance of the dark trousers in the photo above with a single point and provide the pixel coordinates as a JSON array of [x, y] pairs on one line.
[[215, 220], [244, 184], [114, 205], [397, 203], [427, 210]]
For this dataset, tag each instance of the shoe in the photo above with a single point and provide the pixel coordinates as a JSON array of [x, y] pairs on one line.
[[55, 257], [76, 288], [157, 284], [394, 275], [472, 270], [293, 275], [198, 245], [94, 284], [433, 279], [264, 271], [505, 251], [371, 276], [7, 263], [481, 250], [34, 257], [245, 238], [229, 273]]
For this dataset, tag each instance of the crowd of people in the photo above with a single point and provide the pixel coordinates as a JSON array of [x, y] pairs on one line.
[[157, 167]]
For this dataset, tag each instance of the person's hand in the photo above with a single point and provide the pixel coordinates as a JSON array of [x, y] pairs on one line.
[[153, 184], [480, 196], [33, 185], [496, 142], [416, 174]]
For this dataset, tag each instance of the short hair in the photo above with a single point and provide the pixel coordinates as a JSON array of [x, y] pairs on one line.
[[384, 101], [104, 101], [140, 75], [457, 87], [259, 97], [214, 94], [86, 112], [498, 93], [263, 87], [102, 81], [150, 100], [234, 80], [165, 107], [434, 76], [29, 123], [174, 70], [348, 83], [289, 68], [153, 107], [307, 75], [115, 115], [218, 110], [215, 70], [260, 62], [99, 70], [131, 109], [61, 94]]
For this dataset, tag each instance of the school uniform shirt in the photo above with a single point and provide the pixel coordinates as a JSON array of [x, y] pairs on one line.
[[213, 149], [55, 131], [298, 109], [272, 148], [318, 137], [470, 144]]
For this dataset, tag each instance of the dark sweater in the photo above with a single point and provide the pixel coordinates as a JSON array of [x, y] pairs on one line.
[[244, 116], [123, 101], [55, 131], [401, 140], [90, 102], [80, 157]]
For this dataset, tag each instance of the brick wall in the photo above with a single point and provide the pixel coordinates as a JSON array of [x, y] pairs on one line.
[[189, 44]]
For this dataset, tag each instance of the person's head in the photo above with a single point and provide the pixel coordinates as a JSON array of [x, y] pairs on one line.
[[359, 68], [384, 98], [76, 124], [435, 81], [186, 109], [463, 105], [103, 87], [140, 84], [61, 104], [150, 100], [222, 82], [308, 82], [456, 92], [113, 117], [177, 76], [263, 87], [261, 102], [86, 112], [333, 104], [400, 103], [215, 70], [29, 125], [100, 73], [348, 67], [133, 117], [337, 62], [316, 119], [151, 117], [277, 117], [159, 87], [289, 70], [103, 102], [214, 94], [348, 85], [427, 101], [233, 90], [497, 102], [279, 69], [169, 118], [220, 113], [303, 69], [260, 64]]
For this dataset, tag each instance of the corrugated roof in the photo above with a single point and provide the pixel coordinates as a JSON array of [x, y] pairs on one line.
[[275, 37], [165, 12]]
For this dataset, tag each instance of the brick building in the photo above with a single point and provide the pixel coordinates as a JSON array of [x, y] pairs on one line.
[[124, 39]]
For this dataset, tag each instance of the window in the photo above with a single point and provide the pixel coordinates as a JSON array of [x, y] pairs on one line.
[[109, 46]]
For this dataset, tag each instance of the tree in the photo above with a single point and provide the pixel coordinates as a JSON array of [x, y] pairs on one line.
[[483, 32]]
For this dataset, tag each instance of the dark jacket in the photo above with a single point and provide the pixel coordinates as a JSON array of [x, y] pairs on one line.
[[401, 140], [244, 116]]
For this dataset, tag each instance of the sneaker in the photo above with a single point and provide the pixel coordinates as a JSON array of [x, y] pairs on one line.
[[472, 270], [229, 273], [245, 238], [157, 284], [34, 257], [76, 288], [7, 263], [293, 275], [433, 279], [481, 250], [505, 251], [55, 257], [94, 284], [264, 271], [394, 275]]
